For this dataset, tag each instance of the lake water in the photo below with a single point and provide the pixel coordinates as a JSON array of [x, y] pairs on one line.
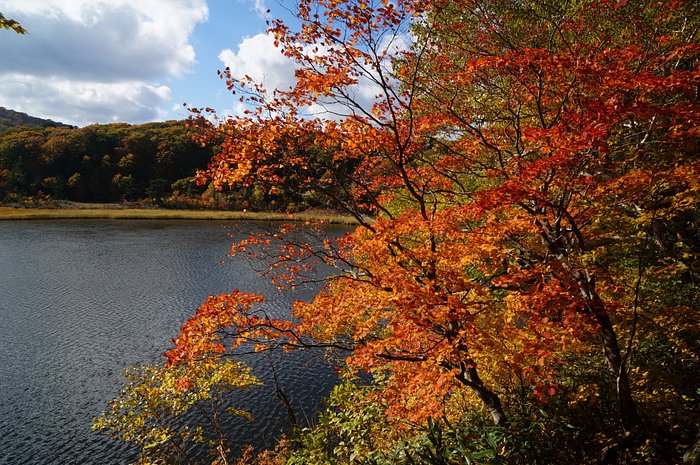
[[82, 300]]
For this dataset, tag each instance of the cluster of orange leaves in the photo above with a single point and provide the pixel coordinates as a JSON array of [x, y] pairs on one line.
[[491, 168]]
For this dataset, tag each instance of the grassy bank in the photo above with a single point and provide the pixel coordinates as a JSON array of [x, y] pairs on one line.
[[112, 212]]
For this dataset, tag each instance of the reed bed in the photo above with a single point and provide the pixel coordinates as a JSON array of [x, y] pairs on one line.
[[11, 213]]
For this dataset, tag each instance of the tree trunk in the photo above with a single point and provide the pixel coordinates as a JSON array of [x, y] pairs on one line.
[[611, 350], [470, 378], [618, 373], [552, 237]]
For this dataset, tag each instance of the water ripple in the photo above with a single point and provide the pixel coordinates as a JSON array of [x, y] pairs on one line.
[[82, 300]]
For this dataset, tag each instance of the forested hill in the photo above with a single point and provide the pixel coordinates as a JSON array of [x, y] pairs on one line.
[[98, 163], [10, 118], [152, 162]]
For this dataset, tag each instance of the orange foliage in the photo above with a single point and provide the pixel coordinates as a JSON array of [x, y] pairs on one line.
[[503, 151]]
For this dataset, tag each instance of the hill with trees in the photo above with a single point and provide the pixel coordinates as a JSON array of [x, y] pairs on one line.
[[10, 118], [98, 163], [42, 162]]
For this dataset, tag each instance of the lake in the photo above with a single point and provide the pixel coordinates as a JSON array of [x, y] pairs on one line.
[[82, 300]]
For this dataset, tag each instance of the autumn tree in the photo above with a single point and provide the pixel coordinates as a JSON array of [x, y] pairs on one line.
[[172, 413], [522, 173]]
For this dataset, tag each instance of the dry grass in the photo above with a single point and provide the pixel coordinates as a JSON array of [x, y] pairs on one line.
[[106, 212]]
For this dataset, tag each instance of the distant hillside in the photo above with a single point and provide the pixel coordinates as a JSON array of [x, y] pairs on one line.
[[153, 163], [11, 118]]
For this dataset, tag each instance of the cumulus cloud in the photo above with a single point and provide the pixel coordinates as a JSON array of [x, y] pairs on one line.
[[83, 103], [258, 58], [99, 60]]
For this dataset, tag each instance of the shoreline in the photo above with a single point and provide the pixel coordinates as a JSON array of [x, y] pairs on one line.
[[114, 213]]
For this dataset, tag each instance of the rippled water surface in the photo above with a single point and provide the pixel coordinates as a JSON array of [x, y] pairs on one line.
[[82, 300]]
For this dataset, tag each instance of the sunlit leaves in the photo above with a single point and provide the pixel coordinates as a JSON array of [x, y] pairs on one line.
[[153, 410], [524, 178]]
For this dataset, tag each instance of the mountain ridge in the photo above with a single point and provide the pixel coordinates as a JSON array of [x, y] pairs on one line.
[[11, 118]]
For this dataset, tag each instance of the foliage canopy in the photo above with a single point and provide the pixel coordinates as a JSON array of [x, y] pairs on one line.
[[526, 183]]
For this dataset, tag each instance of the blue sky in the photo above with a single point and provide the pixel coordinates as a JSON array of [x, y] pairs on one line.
[[102, 61]]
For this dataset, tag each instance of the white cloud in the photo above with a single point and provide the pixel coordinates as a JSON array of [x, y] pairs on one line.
[[100, 60], [261, 8], [258, 58], [83, 103]]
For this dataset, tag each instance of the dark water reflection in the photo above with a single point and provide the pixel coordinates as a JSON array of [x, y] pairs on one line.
[[81, 300]]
